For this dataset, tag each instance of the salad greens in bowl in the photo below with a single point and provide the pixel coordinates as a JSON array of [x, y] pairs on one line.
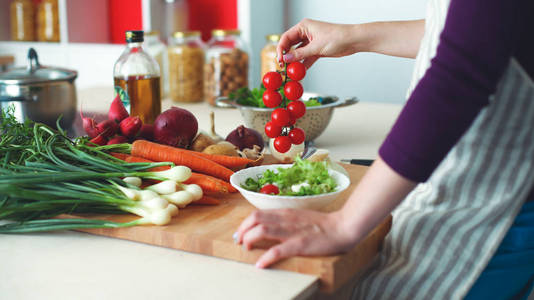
[[304, 184]]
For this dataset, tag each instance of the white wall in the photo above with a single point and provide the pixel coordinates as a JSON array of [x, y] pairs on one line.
[[370, 77]]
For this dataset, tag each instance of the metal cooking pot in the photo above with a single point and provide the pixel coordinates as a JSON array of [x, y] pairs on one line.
[[41, 94]]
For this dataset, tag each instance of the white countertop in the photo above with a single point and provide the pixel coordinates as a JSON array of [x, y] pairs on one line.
[[72, 265]]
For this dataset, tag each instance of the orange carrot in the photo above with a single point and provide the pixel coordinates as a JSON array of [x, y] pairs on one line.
[[207, 200], [210, 184], [134, 159], [224, 160], [158, 152], [121, 156]]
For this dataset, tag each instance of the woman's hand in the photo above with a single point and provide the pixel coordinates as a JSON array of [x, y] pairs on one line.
[[315, 39], [300, 232]]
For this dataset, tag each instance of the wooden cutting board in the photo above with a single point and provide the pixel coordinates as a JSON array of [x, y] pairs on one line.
[[208, 230]]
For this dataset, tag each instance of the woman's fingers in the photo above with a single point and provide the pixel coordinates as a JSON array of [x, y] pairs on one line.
[[293, 36], [254, 219], [288, 248], [309, 61], [262, 232]]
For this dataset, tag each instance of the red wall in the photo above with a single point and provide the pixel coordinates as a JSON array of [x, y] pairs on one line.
[[124, 15], [206, 15]]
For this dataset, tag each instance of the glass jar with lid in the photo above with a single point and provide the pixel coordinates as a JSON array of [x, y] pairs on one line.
[[268, 55], [157, 49], [186, 66], [227, 63], [22, 20], [48, 21]]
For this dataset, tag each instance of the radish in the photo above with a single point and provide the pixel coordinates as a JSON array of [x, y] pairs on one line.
[[130, 126], [89, 126], [107, 128], [176, 127], [119, 139], [99, 140], [117, 112]]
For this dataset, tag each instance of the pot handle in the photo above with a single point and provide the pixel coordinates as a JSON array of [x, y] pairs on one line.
[[225, 102], [348, 101], [33, 61]]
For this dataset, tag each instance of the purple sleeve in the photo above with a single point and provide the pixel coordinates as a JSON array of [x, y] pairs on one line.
[[477, 42]]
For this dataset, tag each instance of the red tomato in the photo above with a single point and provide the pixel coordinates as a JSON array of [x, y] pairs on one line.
[[272, 130], [296, 71], [271, 99], [297, 136], [292, 120], [280, 117], [272, 81], [282, 144], [270, 189], [293, 90], [297, 109]]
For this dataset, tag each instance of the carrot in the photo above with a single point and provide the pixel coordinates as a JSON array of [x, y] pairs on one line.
[[207, 200], [210, 184], [224, 160], [121, 156], [158, 152], [134, 159]]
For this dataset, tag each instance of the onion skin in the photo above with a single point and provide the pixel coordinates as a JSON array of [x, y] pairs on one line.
[[175, 127], [243, 138], [147, 132], [117, 112]]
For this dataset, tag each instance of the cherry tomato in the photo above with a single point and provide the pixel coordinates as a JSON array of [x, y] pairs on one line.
[[296, 108], [271, 99], [270, 189], [282, 144], [272, 81], [280, 117], [293, 90], [297, 136], [296, 71], [292, 120], [272, 130]]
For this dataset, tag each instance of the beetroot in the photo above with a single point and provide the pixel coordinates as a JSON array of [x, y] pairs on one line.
[[243, 138], [130, 126], [119, 139], [176, 127], [117, 112], [107, 128], [147, 132]]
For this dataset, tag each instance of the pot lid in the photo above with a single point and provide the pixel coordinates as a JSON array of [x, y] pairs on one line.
[[35, 73]]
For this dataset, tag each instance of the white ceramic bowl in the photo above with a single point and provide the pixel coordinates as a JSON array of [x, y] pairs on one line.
[[264, 201]]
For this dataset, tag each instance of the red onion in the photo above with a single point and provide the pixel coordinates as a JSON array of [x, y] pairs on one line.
[[130, 126], [176, 127], [107, 128], [117, 112], [243, 137]]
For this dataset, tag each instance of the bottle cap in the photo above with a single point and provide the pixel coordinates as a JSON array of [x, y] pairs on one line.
[[272, 37], [134, 36], [225, 32], [185, 34]]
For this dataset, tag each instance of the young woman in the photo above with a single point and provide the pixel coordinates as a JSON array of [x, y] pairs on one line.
[[457, 168]]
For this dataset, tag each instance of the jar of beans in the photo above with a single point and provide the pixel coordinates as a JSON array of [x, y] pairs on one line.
[[186, 65], [227, 63]]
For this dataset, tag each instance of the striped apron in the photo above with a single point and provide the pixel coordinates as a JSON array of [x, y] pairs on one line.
[[448, 228]]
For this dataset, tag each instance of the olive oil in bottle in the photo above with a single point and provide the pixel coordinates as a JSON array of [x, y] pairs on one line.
[[137, 79]]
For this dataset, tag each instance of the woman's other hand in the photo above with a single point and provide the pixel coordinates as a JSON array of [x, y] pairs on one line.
[[300, 232]]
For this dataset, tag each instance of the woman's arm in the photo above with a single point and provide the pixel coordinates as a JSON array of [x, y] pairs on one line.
[[320, 39]]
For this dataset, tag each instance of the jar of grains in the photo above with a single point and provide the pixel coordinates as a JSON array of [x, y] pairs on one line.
[[48, 21], [22, 20], [268, 55], [226, 68], [186, 65]]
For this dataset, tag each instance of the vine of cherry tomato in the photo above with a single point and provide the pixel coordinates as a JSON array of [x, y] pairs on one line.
[[287, 106]]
